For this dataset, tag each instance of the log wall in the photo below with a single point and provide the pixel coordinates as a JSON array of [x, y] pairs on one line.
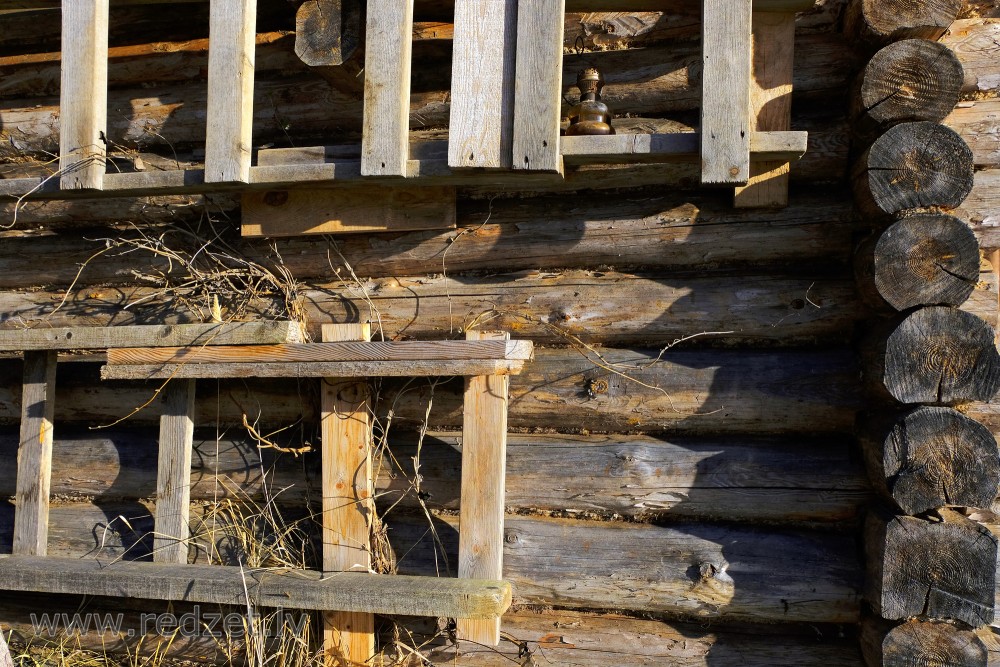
[[683, 449]]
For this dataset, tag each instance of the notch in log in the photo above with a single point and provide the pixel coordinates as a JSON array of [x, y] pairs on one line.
[[944, 567], [922, 260], [918, 642], [878, 22], [913, 166], [930, 457], [937, 355]]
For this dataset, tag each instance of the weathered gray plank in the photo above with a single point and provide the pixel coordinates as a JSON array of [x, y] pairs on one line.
[[538, 89], [150, 335], [764, 146], [173, 478]]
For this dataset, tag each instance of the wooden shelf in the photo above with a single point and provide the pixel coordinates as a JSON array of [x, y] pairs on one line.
[[152, 335]]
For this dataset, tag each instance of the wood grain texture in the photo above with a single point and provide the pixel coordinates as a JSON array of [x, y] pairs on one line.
[[538, 88], [923, 642], [150, 335], [725, 92], [632, 148], [480, 126], [229, 106], [34, 454], [342, 350], [773, 51], [5, 659], [297, 589], [347, 210], [173, 478], [484, 472], [877, 22], [327, 32], [388, 54], [83, 94], [348, 505]]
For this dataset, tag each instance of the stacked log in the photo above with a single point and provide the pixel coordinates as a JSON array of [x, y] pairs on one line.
[[932, 570]]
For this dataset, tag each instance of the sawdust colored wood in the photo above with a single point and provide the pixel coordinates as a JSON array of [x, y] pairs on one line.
[[944, 567], [773, 47], [173, 478], [725, 92], [481, 120], [286, 589], [347, 210], [930, 457], [917, 642], [34, 454], [538, 90], [83, 94], [348, 506], [484, 472], [229, 115]]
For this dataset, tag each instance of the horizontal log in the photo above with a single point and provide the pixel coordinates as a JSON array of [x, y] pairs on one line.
[[154, 209], [977, 122], [689, 392], [974, 41], [217, 584], [102, 338], [734, 479], [981, 206]]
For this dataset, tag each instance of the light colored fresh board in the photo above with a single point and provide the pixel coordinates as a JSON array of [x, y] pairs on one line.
[[151, 335], [347, 210], [288, 589], [341, 351]]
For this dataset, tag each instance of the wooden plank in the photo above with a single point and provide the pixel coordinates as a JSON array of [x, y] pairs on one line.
[[34, 454], [725, 92], [571, 5], [229, 135], [5, 659], [400, 350], [386, 125], [83, 94], [173, 477], [288, 589], [431, 368], [150, 335], [480, 128], [349, 210], [484, 471], [348, 507], [538, 88], [682, 146], [770, 106]]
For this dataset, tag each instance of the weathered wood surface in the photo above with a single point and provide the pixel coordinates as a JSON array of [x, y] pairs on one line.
[[735, 479], [692, 569], [538, 86], [300, 589], [624, 148], [981, 206], [944, 568], [327, 32], [151, 335], [877, 22], [173, 478], [931, 457], [687, 392], [923, 259], [34, 454], [977, 123], [5, 659], [540, 306], [937, 355], [913, 165], [928, 642], [973, 41]]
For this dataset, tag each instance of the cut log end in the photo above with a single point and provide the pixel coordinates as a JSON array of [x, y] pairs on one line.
[[921, 643], [876, 22]]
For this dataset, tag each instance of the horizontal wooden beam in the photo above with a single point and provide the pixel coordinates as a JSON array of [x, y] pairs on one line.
[[647, 148], [571, 5], [290, 589], [153, 335]]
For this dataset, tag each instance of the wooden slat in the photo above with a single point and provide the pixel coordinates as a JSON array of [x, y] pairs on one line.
[[151, 335], [770, 106], [83, 94], [228, 139], [348, 637], [34, 454], [571, 5], [173, 477], [725, 92], [481, 123], [403, 350], [484, 469], [647, 148], [538, 90], [288, 589], [386, 125], [348, 210]]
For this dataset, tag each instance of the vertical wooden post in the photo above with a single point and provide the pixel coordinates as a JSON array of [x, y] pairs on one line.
[[34, 454], [482, 84], [385, 142], [83, 94], [770, 105], [725, 92], [229, 134], [484, 468], [171, 529], [5, 659], [538, 89], [348, 637]]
